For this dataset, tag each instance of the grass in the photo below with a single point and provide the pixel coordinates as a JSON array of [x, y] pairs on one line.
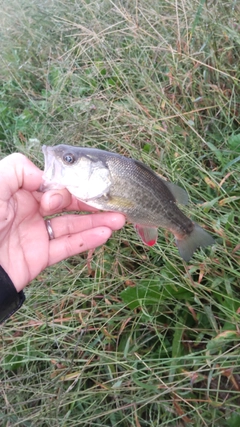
[[140, 339]]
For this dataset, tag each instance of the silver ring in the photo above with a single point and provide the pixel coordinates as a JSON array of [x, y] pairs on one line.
[[49, 229]]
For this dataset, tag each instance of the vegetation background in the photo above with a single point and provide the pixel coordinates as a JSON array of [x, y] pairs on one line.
[[131, 336]]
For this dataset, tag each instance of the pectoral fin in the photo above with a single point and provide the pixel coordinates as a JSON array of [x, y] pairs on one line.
[[148, 235]]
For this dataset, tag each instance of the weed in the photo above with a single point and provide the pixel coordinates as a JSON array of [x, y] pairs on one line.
[[142, 339]]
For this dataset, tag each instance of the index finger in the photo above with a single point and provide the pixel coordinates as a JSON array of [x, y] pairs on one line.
[[57, 201]]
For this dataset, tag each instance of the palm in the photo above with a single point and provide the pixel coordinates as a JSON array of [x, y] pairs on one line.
[[25, 243]]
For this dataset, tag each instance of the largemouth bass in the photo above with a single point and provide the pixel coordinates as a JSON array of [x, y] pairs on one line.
[[111, 182]]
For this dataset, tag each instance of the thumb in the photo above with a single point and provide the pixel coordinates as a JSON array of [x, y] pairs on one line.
[[17, 171]]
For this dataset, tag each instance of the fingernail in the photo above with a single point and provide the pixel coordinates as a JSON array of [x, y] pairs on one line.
[[55, 201]]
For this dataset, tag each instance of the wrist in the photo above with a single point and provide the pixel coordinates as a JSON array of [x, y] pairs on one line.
[[10, 299]]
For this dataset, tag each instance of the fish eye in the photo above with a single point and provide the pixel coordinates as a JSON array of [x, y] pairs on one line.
[[69, 158]]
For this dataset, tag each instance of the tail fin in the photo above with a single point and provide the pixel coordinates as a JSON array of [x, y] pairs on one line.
[[198, 238]]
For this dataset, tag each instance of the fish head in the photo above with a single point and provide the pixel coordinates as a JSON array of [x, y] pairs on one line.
[[76, 168]]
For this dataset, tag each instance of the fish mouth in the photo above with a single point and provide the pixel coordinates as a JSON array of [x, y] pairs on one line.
[[52, 170]]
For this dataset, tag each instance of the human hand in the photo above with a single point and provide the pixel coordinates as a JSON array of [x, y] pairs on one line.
[[25, 248]]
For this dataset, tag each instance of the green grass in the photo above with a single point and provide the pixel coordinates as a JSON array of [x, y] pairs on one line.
[[142, 339]]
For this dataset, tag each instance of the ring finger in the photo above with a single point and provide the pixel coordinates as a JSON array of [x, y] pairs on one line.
[[71, 224]]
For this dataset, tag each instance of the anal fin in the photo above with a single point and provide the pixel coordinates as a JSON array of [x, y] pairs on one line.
[[148, 235]]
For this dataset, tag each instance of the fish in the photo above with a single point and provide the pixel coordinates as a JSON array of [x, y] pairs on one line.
[[111, 182]]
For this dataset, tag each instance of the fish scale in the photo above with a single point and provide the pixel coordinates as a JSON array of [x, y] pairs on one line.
[[111, 182], [160, 208]]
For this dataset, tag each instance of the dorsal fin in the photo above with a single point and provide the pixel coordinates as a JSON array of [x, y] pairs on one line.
[[179, 193]]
